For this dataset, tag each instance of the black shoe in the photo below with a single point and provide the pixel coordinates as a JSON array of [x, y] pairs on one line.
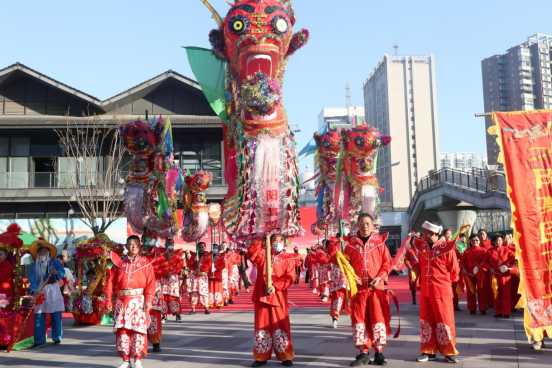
[[219, 307], [379, 359], [192, 312], [225, 304], [361, 359], [426, 358], [498, 316], [472, 312], [451, 359], [413, 303], [257, 363], [287, 363], [491, 306], [156, 348], [36, 346], [483, 313], [506, 316], [457, 309], [57, 342], [178, 319], [207, 311], [230, 301], [237, 293], [514, 310]]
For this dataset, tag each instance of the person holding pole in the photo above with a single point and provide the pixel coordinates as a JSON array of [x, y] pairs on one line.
[[199, 264], [45, 274], [275, 276]]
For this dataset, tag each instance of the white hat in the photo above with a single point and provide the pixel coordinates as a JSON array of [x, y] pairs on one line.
[[432, 227], [475, 270]]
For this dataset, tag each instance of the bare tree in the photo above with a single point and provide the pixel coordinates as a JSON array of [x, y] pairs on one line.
[[91, 172]]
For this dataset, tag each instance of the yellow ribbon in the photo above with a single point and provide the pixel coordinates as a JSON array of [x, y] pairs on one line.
[[458, 290], [349, 272], [494, 285], [413, 275], [470, 284]]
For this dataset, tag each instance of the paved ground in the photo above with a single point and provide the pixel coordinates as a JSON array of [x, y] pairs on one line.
[[225, 340]]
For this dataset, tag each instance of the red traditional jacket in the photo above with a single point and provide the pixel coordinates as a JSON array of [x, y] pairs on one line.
[[486, 244], [176, 263], [220, 263], [473, 256], [439, 267], [160, 264], [204, 262], [129, 274], [7, 277], [369, 260], [283, 275], [498, 256], [411, 260], [232, 258]]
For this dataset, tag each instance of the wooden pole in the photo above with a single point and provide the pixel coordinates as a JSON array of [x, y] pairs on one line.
[[268, 264]]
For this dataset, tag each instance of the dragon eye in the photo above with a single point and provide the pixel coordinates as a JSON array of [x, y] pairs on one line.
[[280, 25], [238, 24]]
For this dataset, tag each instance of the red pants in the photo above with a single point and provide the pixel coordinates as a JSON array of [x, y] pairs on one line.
[[437, 327], [338, 303], [481, 297], [502, 302], [489, 291], [155, 331], [130, 342], [514, 296], [215, 293], [325, 289], [370, 316], [272, 330], [173, 303]]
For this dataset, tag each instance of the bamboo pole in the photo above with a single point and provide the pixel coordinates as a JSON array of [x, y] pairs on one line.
[[268, 264]]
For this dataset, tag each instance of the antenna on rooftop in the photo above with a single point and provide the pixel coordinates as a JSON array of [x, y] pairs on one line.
[[396, 48], [348, 96]]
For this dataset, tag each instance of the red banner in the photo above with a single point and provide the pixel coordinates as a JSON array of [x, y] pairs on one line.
[[525, 139]]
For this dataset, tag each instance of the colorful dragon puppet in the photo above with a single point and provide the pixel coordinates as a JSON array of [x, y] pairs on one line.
[[145, 199], [255, 40], [196, 213], [361, 190], [328, 148]]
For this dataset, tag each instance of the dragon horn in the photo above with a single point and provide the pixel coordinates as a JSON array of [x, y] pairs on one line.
[[292, 15], [216, 15]]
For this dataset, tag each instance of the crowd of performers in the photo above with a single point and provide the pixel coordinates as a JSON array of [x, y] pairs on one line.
[[146, 285]]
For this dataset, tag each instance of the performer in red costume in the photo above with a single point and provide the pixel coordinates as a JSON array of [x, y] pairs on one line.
[[499, 259], [514, 280], [413, 264], [217, 277], [439, 270], [171, 287], [7, 275], [298, 266], [272, 327], [471, 265], [338, 282], [324, 273], [198, 285], [161, 269], [486, 244], [370, 312], [232, 259], [133, 278]]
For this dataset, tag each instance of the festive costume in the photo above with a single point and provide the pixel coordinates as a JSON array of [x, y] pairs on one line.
[[7, 278], [500, 281], [160, 267], [458, 285], [298, 268], [171, 289], [198, 285], [53, 300], [217, 278], [232, 259], [471, 261], [439, 270], [514, 282], [370, 312], [272, 327], [134, 281], [413, 263]]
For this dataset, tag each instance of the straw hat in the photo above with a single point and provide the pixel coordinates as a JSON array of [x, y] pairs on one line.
[[41, 243]]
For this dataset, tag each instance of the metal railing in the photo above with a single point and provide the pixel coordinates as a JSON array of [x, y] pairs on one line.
[[478, 180], [22, 180]]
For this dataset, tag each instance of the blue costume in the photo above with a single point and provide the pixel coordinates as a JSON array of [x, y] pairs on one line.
[[52, 304]]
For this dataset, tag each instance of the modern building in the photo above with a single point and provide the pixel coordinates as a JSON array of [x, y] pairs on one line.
[[340, 117], [307, 196], [518, 80], [32, 105], [400, 100], [464, 161]]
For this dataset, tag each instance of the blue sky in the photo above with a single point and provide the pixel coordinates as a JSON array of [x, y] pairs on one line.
[[105, 47]]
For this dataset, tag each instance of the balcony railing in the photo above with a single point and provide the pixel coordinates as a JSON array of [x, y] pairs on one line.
[[16, 180], [477, 180]]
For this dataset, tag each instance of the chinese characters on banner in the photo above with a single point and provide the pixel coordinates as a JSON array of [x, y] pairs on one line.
[[525, 139]]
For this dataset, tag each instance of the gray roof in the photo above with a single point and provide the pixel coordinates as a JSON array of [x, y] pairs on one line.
[[53, 121]]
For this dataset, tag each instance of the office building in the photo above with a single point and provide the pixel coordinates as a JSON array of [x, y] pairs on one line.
[[340, 117]]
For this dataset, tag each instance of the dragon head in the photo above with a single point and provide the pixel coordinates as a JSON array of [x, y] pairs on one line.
[[329, 145], [141, 141], [196, 187], [362, 143]]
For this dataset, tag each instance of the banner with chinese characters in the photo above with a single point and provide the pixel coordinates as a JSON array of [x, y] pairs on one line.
[[525, 140]]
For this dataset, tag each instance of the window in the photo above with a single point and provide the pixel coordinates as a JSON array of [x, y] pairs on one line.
[[201, 150], [20, 146]]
